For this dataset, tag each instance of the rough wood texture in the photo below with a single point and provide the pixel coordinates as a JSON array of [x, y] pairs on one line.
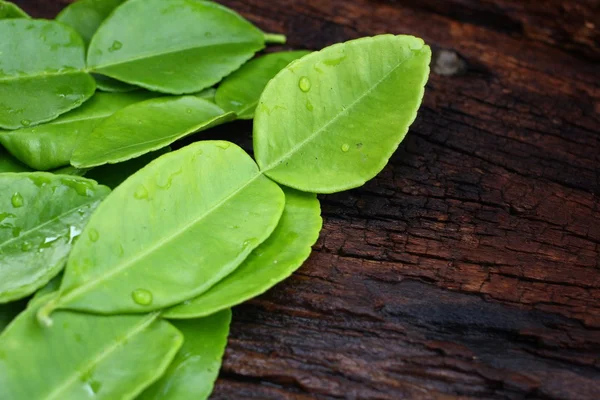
[[470, 267]]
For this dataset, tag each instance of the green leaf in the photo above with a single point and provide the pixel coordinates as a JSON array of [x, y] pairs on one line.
[[112, 175], [9, 10], [111, 85], [171, 231], [207, 94], [272, 262], [331, 121], [145, 127], [48, 146], [41, 72], [84, 356], [176, 46], [40, 215], [195, 368], [85, 16], [10, 164], [240, 91]]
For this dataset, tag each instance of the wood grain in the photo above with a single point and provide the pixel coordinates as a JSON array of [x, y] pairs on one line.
[[470, 267]]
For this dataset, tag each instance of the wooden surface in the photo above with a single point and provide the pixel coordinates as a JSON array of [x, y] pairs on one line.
[[470, 267]]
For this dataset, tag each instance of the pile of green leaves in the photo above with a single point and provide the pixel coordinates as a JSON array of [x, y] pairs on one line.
[[119, 264]]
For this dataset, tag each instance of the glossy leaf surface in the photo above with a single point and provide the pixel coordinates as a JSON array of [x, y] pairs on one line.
[[272, 262], [145, 127], [10, 164], [10, 10], [196, 366], [40, 215], [111, 85], [112, 175], [85, 16], [43, 77], [50, 145], [193, 45], [84, 356], [171, 231], [331, 120], [240, 91]]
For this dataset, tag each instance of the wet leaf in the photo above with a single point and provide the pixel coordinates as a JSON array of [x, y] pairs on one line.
[[200, 211], [331, 120], [193, 45], [44, 75], [10, 10], [84, 356], [193, 372], [240, 91], [112, 175], [40, 216], [145, 127], [272, 262], [85, 16], [50, 145]]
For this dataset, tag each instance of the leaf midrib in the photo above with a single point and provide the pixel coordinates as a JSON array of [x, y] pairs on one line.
[[38, 227], [103, 354], [332, 121], [10, 78], [191, 130], [149, 250], [150, 56]]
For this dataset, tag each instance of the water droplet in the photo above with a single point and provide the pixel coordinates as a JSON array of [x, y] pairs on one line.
[[223, 145], [17, 200], [116, 46], [309, 106], [275, 262], [169, 181], [95, 386], [16, 232], [48, 242], [4, 216], [142, 297], [25, 122], [26, 246], [304, 84], [74, 233], [93, 235], [40, 181], [141, 193], [334, 61], [188, 110], [345, 147], [82, 188]]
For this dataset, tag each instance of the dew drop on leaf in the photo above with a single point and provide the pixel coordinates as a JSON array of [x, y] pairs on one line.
[[25, 122], [141, 193], [93, 235], [345, 147], [17, 200], [142, 297], [309, 106], [304, 84], [223, 145], [115, 46]]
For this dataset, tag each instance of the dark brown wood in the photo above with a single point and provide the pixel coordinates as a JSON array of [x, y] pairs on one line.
[[470, 267]]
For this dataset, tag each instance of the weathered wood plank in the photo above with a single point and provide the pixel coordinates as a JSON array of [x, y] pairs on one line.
[[471, 266]]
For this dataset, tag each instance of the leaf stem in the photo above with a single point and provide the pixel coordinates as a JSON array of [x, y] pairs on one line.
[[43, 314], [275, 38]]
